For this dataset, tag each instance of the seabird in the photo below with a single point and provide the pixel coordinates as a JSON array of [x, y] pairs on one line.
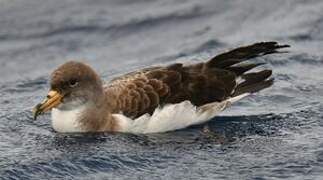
[[155, 99]]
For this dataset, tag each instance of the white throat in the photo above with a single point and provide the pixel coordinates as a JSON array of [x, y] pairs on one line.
[[67, 120]]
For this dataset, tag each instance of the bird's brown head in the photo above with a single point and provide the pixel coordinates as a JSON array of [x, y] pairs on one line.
[[71, 85]]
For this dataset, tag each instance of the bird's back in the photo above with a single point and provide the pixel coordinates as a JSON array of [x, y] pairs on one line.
[[223, 77]]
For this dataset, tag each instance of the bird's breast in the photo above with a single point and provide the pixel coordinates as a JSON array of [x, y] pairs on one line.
[[66, 121]]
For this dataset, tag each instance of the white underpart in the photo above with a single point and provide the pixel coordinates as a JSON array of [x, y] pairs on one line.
[[173, 116], [67, 120]]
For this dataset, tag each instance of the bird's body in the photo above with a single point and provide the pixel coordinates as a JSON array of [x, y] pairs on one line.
[[155, 99]]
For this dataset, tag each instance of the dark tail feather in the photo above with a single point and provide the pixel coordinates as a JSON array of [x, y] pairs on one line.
[[227, 63], [232, 61], [244, 53], [254, 77], [252, 88], [254, 82], [242, 68]]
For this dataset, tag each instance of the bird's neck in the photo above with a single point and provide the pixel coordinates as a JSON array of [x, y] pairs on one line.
[[97, 117], [89, 117]]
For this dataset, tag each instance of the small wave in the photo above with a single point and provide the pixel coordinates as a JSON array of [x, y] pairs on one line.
[[118, 30], [24, 86], [207, 46], [302, 58]]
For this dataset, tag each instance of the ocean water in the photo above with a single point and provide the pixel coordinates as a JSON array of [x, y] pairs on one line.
[[274, 134]]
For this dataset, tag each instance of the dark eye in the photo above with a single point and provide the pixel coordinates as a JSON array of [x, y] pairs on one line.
[[73, 83]]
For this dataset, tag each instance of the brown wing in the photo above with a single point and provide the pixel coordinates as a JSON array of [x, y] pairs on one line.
[[142, 91]]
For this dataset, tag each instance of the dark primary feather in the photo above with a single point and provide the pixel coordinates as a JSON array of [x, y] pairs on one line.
[[142, 91]]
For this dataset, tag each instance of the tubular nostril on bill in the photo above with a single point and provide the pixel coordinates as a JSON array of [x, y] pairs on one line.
[[51, 94]]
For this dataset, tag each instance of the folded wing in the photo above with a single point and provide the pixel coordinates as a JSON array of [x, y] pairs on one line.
[[141, 92]]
